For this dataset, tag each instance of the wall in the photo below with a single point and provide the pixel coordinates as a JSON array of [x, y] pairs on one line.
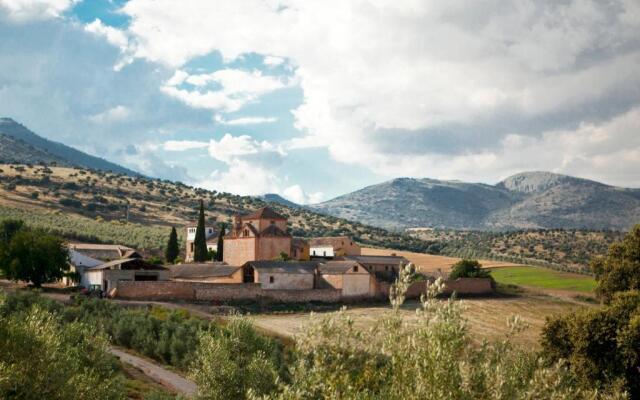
[[192, 291], [238, 251], [355, 285], [463, 286], [271, 247], [285, 281]]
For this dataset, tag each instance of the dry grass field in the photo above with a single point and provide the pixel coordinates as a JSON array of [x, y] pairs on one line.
[[429, 263], [487, 317]]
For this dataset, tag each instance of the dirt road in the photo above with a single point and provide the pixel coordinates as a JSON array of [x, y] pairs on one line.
[[157, 372]]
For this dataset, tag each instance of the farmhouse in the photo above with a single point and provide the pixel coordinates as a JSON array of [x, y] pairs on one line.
[[350, 277], [106, 276], [336, 246], [282, 274]]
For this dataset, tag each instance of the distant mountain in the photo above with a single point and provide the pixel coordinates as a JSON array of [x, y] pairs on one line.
[[19, 144], [277, 199], [524, 201]]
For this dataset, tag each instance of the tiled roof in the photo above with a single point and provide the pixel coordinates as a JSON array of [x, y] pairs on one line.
[[210, 270], [378, 259], [273, 230], [337, 267], [285, 267], [263, 213], [334, 241], [298, 243], [96, 246], [122, 261]]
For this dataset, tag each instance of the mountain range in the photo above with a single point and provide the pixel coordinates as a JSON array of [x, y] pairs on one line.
[[529, 200], [20, 145]]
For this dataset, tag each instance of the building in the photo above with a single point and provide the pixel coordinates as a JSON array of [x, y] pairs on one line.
[[282, 275], [350, 277], [300, 249], [102, 252], [211, 236], [208, 272], [106, 276], [385, 268], [261, 235], [78, 262], [331, 247]]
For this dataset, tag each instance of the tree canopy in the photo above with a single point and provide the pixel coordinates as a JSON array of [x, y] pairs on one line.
[[468, 269], [173, 248], [619, 270], [200, 252], [220, 249]]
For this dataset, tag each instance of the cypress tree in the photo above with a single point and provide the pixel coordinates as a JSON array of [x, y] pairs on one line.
[[173, 249], [220, 251], [200, 252]]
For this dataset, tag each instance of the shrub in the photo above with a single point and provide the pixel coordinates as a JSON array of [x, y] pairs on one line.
[[68, 202], [468, 269]]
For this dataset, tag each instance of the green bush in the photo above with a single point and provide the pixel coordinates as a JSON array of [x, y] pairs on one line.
[[468, 269]]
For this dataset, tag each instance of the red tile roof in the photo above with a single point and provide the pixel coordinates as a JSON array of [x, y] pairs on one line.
[[263, 213]]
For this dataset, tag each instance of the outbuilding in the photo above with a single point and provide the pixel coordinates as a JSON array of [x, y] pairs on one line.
[[351, 277], [284, 275], [106, 276]]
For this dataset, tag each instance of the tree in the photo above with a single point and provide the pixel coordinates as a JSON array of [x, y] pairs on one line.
[[468, 269], [200, 242], [220, 250], [619, 270], [34, 257], [173, 249], [8, 228]]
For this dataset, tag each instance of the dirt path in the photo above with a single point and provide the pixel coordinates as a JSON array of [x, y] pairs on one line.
[[157, 372]]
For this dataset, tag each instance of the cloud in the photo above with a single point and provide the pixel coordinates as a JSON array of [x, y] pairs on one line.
[[114, 114], [231, 147], [245, 120], [272, 61], [26, 10], [114, 36], [243, 178], [183, 145], [236, 88], [421, 80], [296, 194]]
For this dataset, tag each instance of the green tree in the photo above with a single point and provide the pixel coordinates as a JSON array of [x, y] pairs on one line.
[[619, 270], [468, 269], [200, 242], [173, 249], [8, 228], [35, 257], [41, 358], [220, 249]]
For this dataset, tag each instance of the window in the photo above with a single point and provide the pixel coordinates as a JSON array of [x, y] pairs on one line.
[[386, 267], [271, 279], [355, 268], [273, 222], [314, 252], [192, 247], [324, 253], [246, 232], [210, 230]]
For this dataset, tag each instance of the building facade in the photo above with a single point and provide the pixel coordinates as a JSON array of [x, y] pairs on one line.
[[331, 247], [210, 234]]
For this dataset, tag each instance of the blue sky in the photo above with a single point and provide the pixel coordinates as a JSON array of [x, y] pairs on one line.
[[315, 99]]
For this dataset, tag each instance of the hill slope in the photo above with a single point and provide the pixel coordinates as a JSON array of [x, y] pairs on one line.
[[530, 200], [31, 148]]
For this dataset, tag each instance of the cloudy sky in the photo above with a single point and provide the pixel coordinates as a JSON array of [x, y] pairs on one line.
[[312, 99]]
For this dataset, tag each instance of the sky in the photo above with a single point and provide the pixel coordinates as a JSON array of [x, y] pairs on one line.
[[314, 99]]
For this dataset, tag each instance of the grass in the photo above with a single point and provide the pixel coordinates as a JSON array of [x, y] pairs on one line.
[[543, 278]]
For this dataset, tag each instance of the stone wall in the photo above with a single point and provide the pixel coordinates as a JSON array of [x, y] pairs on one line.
[[196, 291], [462, 286]]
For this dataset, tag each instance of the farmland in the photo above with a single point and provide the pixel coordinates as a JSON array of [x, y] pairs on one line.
[[543, 278]]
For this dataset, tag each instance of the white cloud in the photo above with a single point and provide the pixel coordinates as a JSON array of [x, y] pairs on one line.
[[296, 194], [245, 120], [416, 71], [25, 10], [114, 36], [231, 147], [244, 178], [183, 145], [236, 88], [273, 61], [115, 114]]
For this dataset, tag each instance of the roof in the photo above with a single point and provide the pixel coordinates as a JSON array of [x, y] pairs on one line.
[[285, 267], [96, 246], [298, 243], [337, 267], [122, 261], [263, 213], [273, 230], [80, 260], [378, 259], [210, 270], [131, 254], [333, 241]]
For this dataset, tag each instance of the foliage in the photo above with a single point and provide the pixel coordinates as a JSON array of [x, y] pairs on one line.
[[432, 358], [601, 346], [35, 257], [200, 241], [220, 247], [468, 269], [8, 228], [41, 358], [172, 250], [619, 270], [232, 362]]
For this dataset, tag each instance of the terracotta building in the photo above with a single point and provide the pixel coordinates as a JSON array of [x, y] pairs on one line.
[[261, 235], [330, 247]]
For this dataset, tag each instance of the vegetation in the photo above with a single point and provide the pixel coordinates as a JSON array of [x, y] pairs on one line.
[[173, 248], [620, 269], [220, 246], [602, 346], [544, 278], [200, 252], [468, 269], [43, 358], [31, 256]]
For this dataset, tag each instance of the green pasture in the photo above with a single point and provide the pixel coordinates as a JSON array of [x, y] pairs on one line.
[[544, 278]]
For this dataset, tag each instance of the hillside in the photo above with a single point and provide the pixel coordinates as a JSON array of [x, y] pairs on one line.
[[101, 206], [20, 145], [531, 200]]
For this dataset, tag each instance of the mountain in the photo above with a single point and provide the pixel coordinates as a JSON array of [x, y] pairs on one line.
[[528, 200], [20, 145], [273, 198]]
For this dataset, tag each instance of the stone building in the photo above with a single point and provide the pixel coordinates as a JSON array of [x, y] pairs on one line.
[[331, 247], [210, 234], [215, 272], [261, 235], [350, 277]]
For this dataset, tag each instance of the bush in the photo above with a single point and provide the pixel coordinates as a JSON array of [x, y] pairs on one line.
[[619, 270], [468, 269], [67, 202]]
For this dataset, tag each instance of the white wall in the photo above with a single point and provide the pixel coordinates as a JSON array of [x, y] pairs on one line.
[[324, 251]]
